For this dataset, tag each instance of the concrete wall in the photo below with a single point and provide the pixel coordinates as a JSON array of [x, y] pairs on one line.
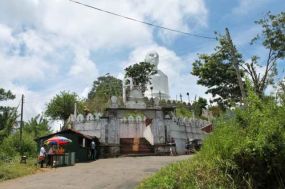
[[160, 131]]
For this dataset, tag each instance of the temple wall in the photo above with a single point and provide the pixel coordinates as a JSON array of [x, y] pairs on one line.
[[131, 127], [93, 128], [159, 132], [182, 129]]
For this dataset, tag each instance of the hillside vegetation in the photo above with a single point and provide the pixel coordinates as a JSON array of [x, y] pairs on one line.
[[246, 150]]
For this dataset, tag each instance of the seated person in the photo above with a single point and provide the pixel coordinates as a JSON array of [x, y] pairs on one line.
[[172, 146], [188, 146], [50, 154]]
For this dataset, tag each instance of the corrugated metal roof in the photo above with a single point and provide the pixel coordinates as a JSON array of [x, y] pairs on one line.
[[66, 131]]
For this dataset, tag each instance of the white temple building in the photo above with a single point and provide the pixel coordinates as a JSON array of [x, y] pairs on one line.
[[137, 128], [159, 81]]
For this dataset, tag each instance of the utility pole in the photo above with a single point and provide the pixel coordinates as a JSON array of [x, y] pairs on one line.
[[235, 63], [21, 125]]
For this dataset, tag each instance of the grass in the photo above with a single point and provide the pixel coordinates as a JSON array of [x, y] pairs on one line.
[[246, 150], [203, 170], [13, 169], [190, 173]]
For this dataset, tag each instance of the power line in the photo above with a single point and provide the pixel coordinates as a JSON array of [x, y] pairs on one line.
[[143, 22]]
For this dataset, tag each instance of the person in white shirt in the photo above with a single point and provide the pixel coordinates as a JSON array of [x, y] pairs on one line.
[[42, 156], [93, 150]]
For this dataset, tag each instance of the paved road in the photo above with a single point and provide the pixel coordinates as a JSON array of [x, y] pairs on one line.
[[125, 173]]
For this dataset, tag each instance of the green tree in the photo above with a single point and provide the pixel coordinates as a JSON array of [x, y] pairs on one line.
[[37, 126], [6, 95], [103, 88], [8, 115], [216, 110], [280, 93], [8, 121], [273, 39], [106, 86], [10, 147], [199, 105], [141, 74], [216, 72], [183, 111], [62, 105]]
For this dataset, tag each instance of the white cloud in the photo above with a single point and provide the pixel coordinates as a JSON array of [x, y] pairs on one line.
[[89, 28], [46, 45], [182, 14], [14, 13], [83, 66], [92, 29], [245, 6], [5, 34]]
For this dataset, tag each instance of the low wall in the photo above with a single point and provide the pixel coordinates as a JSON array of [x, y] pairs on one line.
[[107, 151]]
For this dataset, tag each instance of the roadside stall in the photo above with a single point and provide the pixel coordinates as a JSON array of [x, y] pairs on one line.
[[74, 152], [56, 155]]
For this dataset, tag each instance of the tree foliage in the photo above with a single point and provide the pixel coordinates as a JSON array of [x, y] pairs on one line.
[[106, 86], [183, 111], [62, 105], [141, 74], [8, 120], [103, 88], [216, 72], [37, 126], [280, 93], [6, 95], [8, 115], [273, 39], [199, 105], [10, 147]]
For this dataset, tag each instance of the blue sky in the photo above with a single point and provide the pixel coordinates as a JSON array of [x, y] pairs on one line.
[[55, 45]]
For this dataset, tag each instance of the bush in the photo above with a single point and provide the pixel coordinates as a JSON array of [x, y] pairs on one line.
[[246, 150], [259, 160], [10, 166], [183, 111], [10, 146]]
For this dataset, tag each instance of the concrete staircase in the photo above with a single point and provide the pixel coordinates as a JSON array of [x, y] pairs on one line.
[[135, 146]]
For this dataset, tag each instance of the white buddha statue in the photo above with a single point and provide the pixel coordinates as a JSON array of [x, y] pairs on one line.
[[159, 81]]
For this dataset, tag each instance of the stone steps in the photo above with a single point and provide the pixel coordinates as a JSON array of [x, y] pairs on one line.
[[135, 146]]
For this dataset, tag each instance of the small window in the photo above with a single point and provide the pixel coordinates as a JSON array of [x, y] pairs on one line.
[[83, 142]]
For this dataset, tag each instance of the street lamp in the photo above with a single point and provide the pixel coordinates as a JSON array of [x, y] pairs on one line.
[[188, 97], [151, 100]]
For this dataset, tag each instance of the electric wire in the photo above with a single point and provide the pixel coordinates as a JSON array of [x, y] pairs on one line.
[[143, 22]]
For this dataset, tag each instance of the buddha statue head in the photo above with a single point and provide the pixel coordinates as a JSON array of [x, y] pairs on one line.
[[152, 57]]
